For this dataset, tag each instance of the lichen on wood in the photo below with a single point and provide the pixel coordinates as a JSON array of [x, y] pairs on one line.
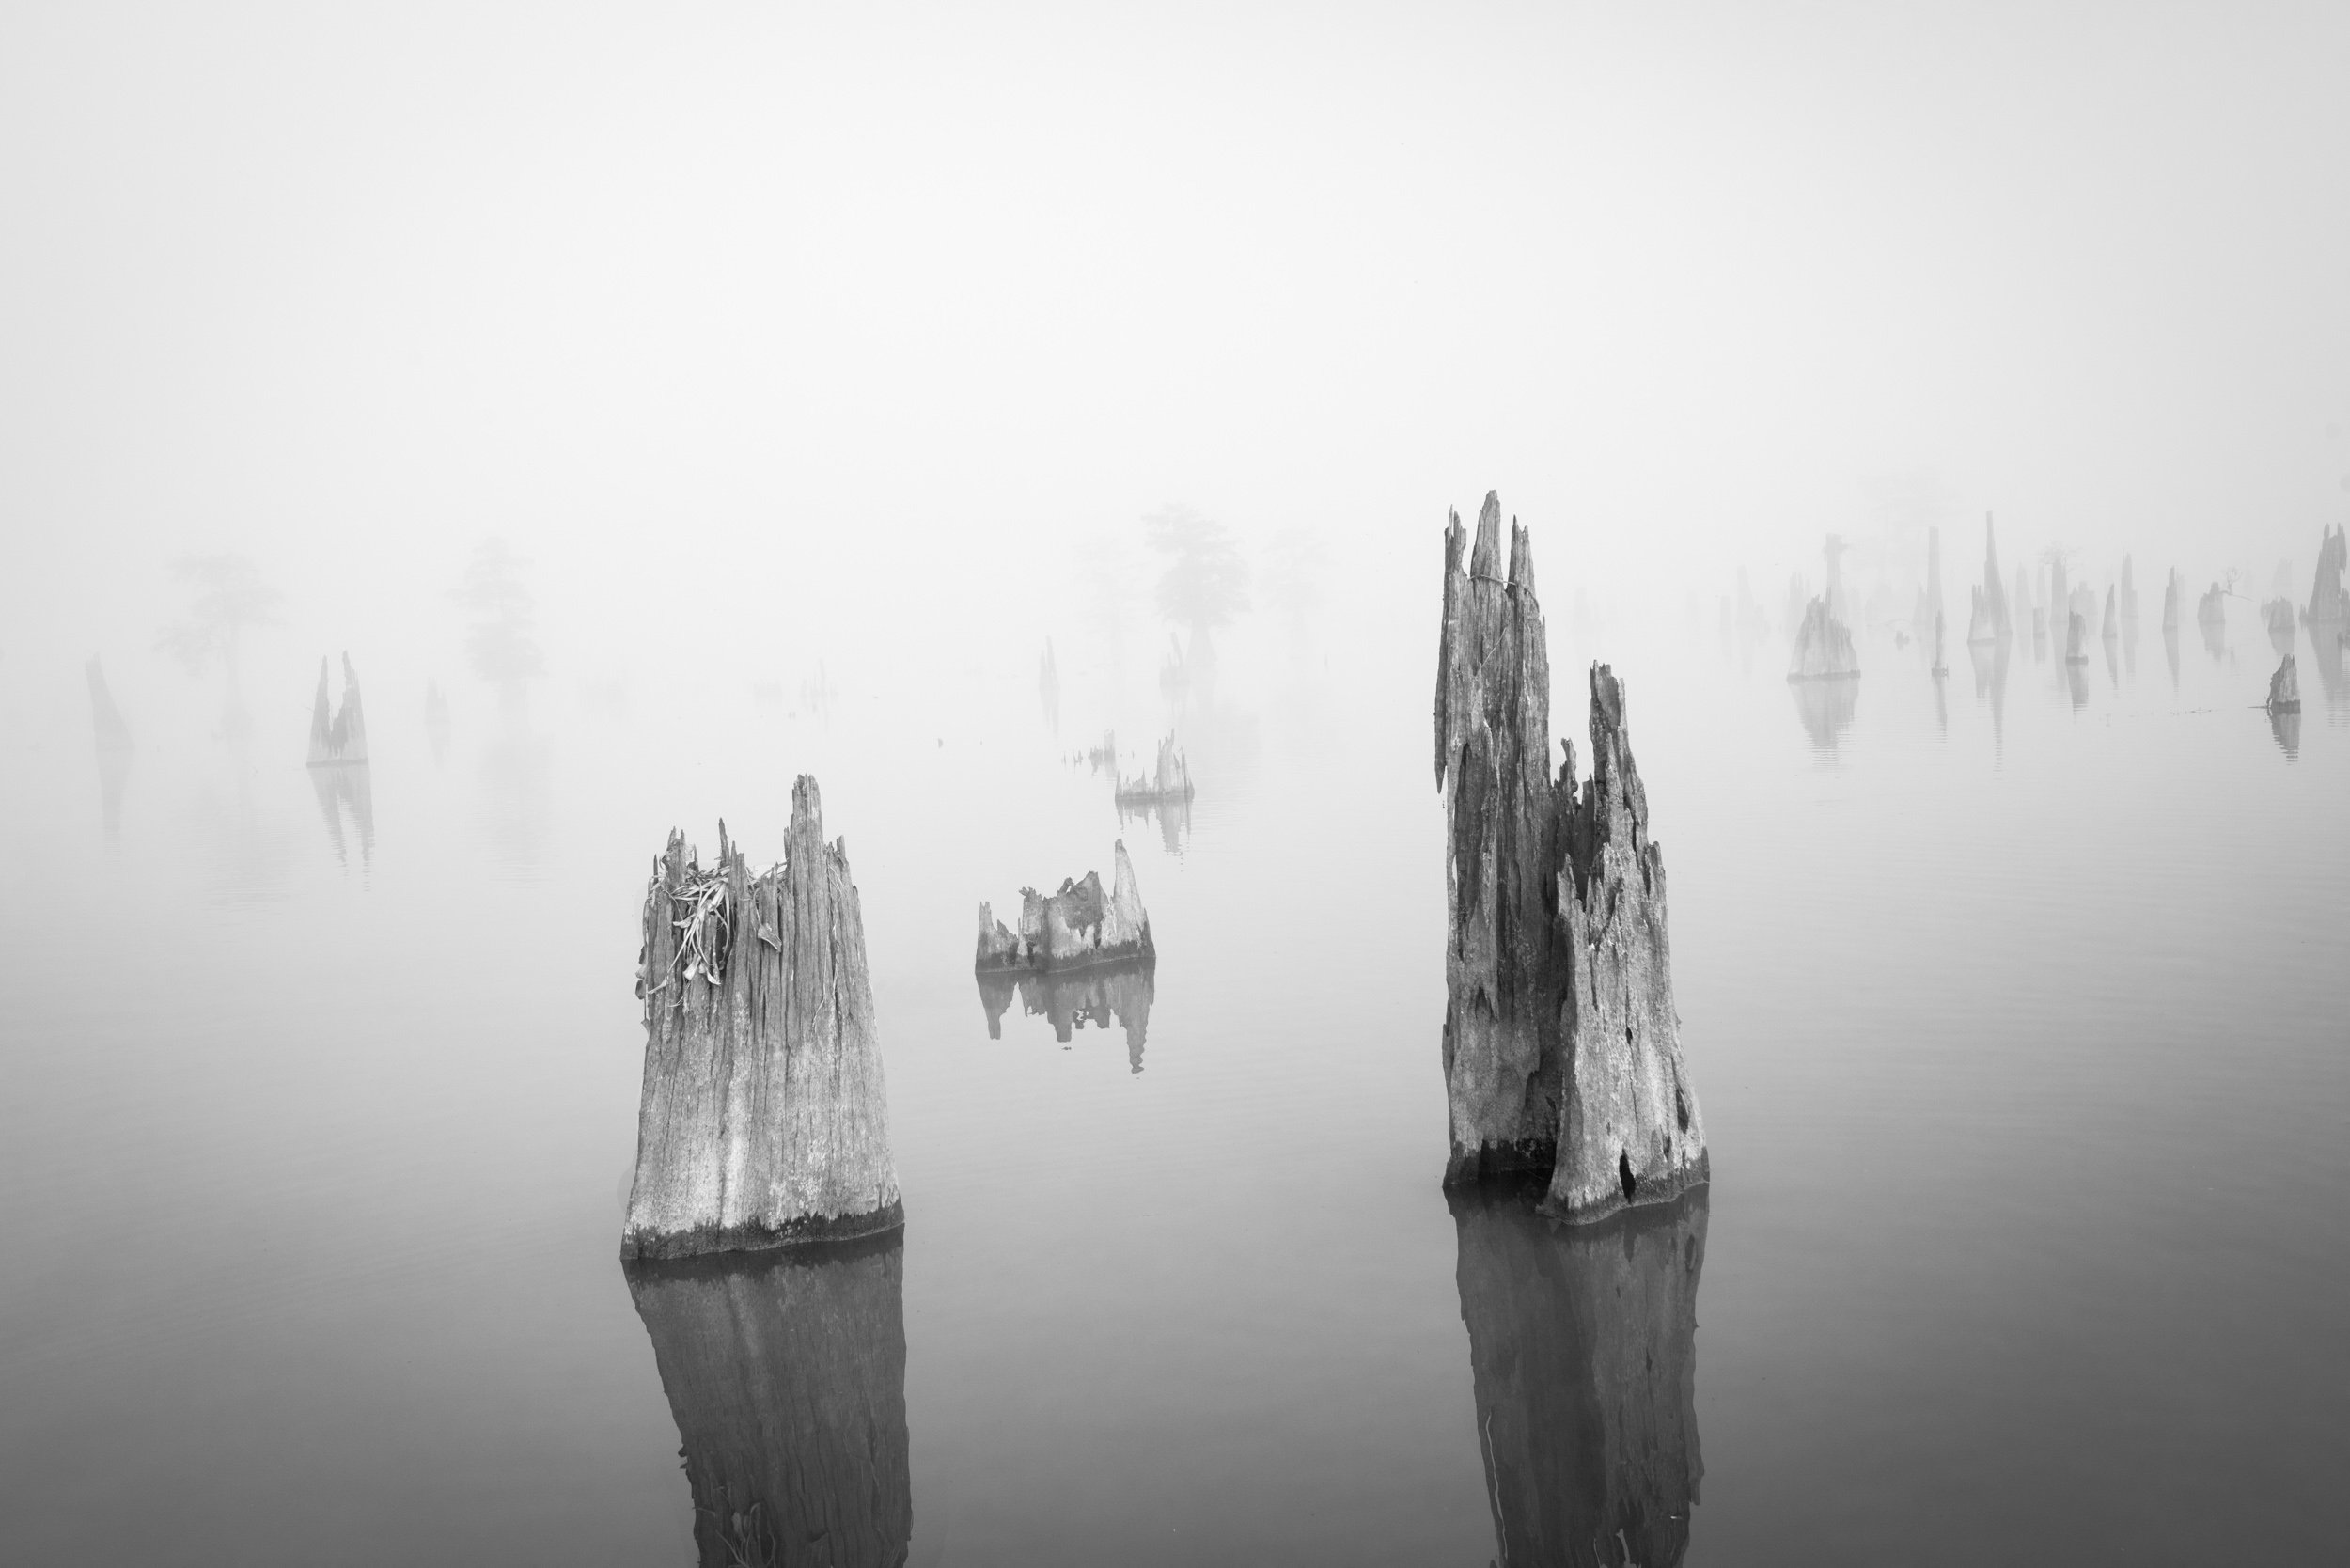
[[763, 1119]]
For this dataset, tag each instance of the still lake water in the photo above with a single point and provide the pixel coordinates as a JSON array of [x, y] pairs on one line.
[[2020, 1038]]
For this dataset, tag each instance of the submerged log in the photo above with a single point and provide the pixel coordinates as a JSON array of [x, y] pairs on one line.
[[2284, 689], [337, 735], [1072, 929], [787, 1377], [1561, 1047], [1824, 650], [1583, 1359], [1632, 1133], [1504, 1059], [763, 1119]]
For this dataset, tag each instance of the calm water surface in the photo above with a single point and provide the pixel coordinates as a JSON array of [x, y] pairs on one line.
[[2015, 1007]]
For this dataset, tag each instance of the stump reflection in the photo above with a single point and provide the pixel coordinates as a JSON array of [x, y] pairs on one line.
[[786, 1371], [1111, 993], [1827, 709], [347, 792], [1583, 1348]]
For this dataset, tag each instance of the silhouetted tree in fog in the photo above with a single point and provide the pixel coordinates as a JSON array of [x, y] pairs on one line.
[[498, 642], [1205, 583], [230, 597]]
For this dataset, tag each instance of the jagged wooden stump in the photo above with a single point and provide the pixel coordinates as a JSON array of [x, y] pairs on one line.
[[1076, 928], [1631, 1131], [1561, 1047], [1501, 1039], [763, 1119]]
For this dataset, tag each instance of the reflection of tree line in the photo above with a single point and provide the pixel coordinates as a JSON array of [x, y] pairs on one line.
[[786, 1375]]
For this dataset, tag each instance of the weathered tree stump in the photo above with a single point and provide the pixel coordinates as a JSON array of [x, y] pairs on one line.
[[1987, 621], [337, 735], [1561, 1047], [763, 1119], [2329, 604], [1168, 783], [2284, 688], [1503, 1058], [1631, 1132], [1824, 650], [1074, 928]]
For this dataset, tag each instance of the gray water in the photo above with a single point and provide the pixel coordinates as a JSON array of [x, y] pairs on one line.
[[2014, 1005]]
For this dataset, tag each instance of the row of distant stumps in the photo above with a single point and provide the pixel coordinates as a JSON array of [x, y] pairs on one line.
[[1824, 645]]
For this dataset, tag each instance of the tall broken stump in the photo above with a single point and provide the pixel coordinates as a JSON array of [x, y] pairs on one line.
[[1561, 1045], [763, 1119]]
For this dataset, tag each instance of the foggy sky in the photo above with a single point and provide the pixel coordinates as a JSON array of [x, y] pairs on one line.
[[848, 314]]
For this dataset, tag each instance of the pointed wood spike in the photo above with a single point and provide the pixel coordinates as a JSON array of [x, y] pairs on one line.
[[1485, 561]]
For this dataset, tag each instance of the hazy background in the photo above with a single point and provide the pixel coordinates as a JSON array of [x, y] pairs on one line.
[[698, 395], [777, 334]]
